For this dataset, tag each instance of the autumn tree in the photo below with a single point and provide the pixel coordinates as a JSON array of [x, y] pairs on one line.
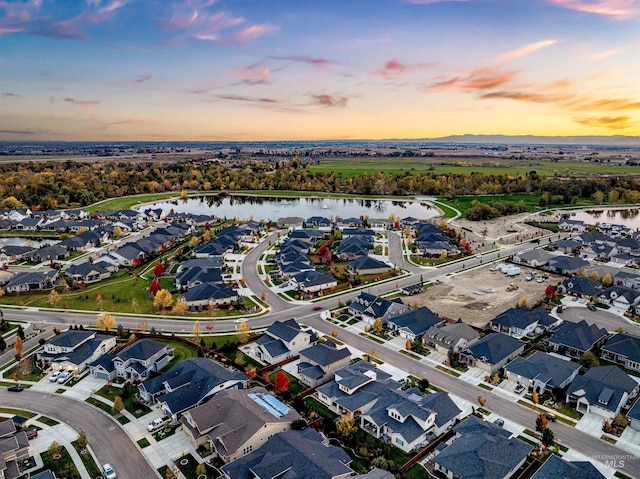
[[523, 302], [594, 276], [482, 401], [581, 272], [534, 397], [118, 405], [407, 345], [82, 440], [541, 422], [117, 231], [550, 292], [155, 286], [18, 346], [158, 269], [346, 427], [181, 307], [244, 331], [54, 297], [250, 372], [197, 332], [195, 241], [136, 262], [206, 236], [135, 307], [607, 280], [377, 325], [106, 321], [281, 382], [334, 333], [201, 469], [162, 300]]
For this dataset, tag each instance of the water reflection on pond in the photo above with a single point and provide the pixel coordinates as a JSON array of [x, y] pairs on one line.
[[266, 208]]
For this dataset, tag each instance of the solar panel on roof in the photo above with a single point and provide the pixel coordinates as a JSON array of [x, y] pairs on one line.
[[262, 401]]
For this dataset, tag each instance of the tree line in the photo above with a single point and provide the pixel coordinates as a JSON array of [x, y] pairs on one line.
[[49, 184]]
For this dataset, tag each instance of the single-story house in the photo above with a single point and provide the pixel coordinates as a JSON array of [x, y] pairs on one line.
[[567, 265], [581, 286], [413, 323], [367, 265], [26, 281], [602, 390], [522, 321], [206, 295], [557, 468], [622, 349], [450, 337], [634, 415], [534, 258], [313, 281], [541, 371], [87, 272], [574, 339], [492, 352], [620, 297]]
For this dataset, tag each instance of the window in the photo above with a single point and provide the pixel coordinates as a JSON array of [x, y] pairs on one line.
[[399, 441]]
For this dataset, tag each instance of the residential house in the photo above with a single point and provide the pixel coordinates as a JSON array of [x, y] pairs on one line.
[[620, 298], [380, 224], [189, 384], [602, 390], [626, 279], [365, 265], [292, 455], [407, 419], [522, 321], [207, 295], [567, 246], [542, 372], [308, 235], [359, 233], [622, 349], [87, 272], [627, 259], [290, 222], [135, 362], [413, 323], [14, 448], [567, 265], [352, 222], [13, 254], [574, 339], [237, 422], [312, 281], [318, 363], [282, 340], [49, 253], [557, 468], [634, 415], [629, 244], [600, 251], [567, 224], [26, 281], [211, 249], [481, 450], [492, 352], [188, 278], [534, 258], [369, 307], [126, 254], [317, 222], [581, 286], [74, 350], [29, 223], [451, 337]]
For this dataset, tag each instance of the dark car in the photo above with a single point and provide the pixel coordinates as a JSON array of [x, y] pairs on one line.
[[31, 433], [550, 416], [591, 307], [317, 308], [16, 388], [559, 309]]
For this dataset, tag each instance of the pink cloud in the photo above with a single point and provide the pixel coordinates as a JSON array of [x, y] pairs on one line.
[[14, 16], [530, 48], [309, 60], [330, 101], [394, 68], [248, 34], [254, 74], [82, 102], [145, 76], [618, 9]]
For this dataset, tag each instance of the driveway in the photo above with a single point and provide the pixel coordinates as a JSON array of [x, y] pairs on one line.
[[600, 317], [107, 439]]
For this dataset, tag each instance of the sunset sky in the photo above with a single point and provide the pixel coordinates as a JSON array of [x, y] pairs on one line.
[[332, 69]]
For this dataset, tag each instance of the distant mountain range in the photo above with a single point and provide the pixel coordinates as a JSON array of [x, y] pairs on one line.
[[536, 140]]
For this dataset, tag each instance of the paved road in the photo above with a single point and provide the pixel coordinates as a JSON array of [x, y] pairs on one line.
[[109, 445], [601, 317]]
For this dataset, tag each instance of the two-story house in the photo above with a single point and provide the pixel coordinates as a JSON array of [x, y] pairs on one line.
[[318, 363], [74, 350], [135, 362], [282, 340]]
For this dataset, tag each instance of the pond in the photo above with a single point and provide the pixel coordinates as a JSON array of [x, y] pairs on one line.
[[18, 241], [625, 216], [265, 208]]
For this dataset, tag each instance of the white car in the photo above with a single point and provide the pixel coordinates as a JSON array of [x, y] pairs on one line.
[[63, 377], [156, 424], [108, 471], [519, 388], [54, 377]]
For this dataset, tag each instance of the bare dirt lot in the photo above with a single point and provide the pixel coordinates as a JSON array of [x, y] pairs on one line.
[[479, 295]]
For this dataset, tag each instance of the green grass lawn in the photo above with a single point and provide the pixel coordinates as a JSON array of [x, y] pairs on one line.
[[294, 385], [87, 460], [18, 412], [106, 408], [126, 202], [168, 283], [144, 442], [48, 421], [62, 467], [128, 398]]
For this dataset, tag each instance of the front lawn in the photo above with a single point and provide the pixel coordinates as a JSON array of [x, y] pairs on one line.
[[127, 393], [61, 467], [87, 460]]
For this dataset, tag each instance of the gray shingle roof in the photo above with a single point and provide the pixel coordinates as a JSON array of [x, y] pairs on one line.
[[557, 468], [291, 455], [141, 350], [324, 353], [544, 367], [494, 347], [581, 336], [624, 345], [416, 321]]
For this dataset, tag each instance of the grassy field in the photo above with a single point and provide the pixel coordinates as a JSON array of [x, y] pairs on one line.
[[126, 202], [463, 203], [349, 167]]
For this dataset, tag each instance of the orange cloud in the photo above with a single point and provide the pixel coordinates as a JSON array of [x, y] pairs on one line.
[[611, 122], [619, 9], [394, 68], [532, 47], [477, 79]]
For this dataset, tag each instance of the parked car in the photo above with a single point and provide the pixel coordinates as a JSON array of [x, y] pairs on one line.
[[156, 424], [591, 307], [63, 377], [560, 309], [54, 377], [108, 471], [499, 422], [16, 388], [31, 433], [550, 416], [519, 388]]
